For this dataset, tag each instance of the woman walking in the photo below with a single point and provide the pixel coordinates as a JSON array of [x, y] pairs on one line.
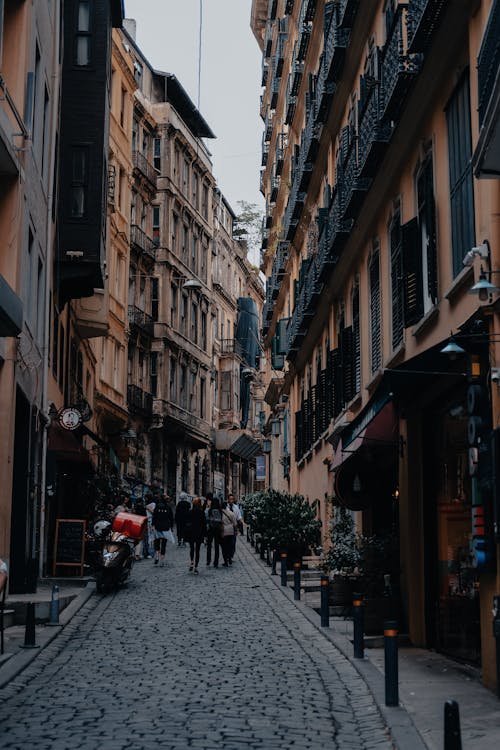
[[196, 530], [229, 529], [162, 523]]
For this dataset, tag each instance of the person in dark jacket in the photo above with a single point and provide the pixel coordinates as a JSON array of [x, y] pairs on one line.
[[213, 515], [181, 512], [162, 523], [197, 525]]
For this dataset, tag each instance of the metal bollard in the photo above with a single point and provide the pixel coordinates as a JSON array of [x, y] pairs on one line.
[[275, 562], [54, 606], [358, 616], [283, 557], [29, 633], [391, 663], [325, 604], [296, 581], [452, 735]]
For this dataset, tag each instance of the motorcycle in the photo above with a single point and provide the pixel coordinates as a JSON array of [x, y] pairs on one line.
[[116, 555]]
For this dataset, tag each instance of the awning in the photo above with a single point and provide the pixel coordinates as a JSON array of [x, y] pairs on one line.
[[237, 442], [65, 445], [376, 427]]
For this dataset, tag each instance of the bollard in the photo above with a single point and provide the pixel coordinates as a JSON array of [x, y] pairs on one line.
[[358, 616], [452, 736], [391, 663], [275, 562], [29, 633], [296, 581], [54, 606], [283, 557], [325, 604]]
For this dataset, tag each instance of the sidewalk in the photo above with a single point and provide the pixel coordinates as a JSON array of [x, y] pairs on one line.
[[426, 681]]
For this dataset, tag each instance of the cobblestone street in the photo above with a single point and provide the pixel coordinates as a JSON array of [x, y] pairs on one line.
[[219, 660]]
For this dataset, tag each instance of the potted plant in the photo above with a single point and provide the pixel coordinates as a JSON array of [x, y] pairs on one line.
[[379, 571], [342, 558]]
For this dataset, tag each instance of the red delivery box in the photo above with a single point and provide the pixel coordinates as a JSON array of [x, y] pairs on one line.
[[130, 524]]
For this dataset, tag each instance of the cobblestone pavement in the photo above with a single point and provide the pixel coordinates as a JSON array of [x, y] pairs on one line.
[[175, 661]]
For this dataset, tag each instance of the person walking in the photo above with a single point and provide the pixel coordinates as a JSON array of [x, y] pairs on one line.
[[214, 530], [162, 523], [229, 528], [181, 511], [140, 510], [234, 508], [196, 529]]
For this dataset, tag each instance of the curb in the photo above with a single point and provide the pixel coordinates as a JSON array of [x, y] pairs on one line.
[[19, 660], [404, 733]]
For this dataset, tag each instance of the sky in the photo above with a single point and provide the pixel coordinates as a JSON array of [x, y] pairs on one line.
[[168, 33]]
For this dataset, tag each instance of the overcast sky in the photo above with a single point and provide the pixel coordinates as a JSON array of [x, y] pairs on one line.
[[168, 35]]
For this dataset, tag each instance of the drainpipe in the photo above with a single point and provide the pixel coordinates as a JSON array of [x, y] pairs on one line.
[[52, 186]]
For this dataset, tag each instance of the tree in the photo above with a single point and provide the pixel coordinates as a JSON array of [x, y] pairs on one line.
[[248, 226]]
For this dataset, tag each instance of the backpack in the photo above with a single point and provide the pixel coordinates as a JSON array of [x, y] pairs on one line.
[[215, 519]]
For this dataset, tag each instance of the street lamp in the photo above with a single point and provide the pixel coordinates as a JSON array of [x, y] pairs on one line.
[[275, 427], [483, 287], [266, 446]]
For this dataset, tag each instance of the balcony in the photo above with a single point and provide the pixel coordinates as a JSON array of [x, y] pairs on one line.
[[336, 41], [424, 16], [231, 347], [399, 68], [181, 421], [268, 219], [141, 320], [141, 242], [347, 12], [373, 135], [291, 104], [279, 156], [139, 401], [280, 47], [324, 93], [275, 90], [296, 73], [305, 29], [486, 160], [296, 330], [281, 259], [335, 233], [289, 7], [275, 186], [265, 72], [309, 9], [356, 187], [142, 165], [268, 42], [265, 153], [268, 125], [312, 288], [273, 7]]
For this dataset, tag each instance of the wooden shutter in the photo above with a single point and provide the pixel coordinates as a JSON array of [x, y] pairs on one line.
[[338, 389], [347, 357], [277, 358], [344, 142], [375, 332], [430, 226], [412, 272]]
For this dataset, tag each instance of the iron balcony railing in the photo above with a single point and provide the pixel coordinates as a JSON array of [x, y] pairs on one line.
[[289, 7], [139, 400], [231, 346], [399, 67], [347, 12], [268, 125], [356, 186], [373, 134], [265, 72], [335, 232], [424, 17], [268, 42], [140, 319], [265, 153], [141, 241], [488, 62], [144, 167]]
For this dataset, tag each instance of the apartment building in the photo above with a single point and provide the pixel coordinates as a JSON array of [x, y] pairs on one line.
[[29, 81], [377, 229]]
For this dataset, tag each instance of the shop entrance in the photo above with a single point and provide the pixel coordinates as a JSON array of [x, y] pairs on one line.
[[451, 581]]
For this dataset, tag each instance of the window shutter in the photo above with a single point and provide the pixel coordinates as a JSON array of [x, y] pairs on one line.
[[344, 142], [295, 291], [281, 335], [430, 225], [338, 400], [322, 401], [412, 272], [298, 435], [375, 332], [277, 359], [347, 356]]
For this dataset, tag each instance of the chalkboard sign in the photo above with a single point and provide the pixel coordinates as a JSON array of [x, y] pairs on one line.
[[69, 543]]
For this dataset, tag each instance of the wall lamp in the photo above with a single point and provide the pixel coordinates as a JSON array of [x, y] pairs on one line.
[[187, 283], [483, 287], [275, 427], [266, 446]]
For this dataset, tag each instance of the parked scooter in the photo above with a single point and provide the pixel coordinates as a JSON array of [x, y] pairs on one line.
[[117, 554]]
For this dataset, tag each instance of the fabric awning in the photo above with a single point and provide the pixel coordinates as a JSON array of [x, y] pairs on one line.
[[246, 447], [65, 445], [377, 426]]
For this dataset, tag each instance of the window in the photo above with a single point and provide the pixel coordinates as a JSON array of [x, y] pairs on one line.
[[183, 387], [427, 232], [173, 380], [225, 391], [157, 154], [177, 165], [153, 373], [183, 314], [203, 261], [204, 331], [356, 338], [156, 226], [195, 189], [175, 230], [375, 306], [83, 33], [123, 108], [79, 179], [203, 386], [173, 305], [184, 242], [155, 298], [460, 166], [185, 177], [194, 253], [40, 297], [204, 205], [396, 280], [194, 323], [192, 392], [135, 135]]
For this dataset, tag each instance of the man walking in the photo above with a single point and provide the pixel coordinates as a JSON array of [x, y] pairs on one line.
[[181, 513], [234, 508]]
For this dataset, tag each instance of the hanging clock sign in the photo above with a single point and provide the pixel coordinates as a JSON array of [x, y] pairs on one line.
[[70, 418]]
